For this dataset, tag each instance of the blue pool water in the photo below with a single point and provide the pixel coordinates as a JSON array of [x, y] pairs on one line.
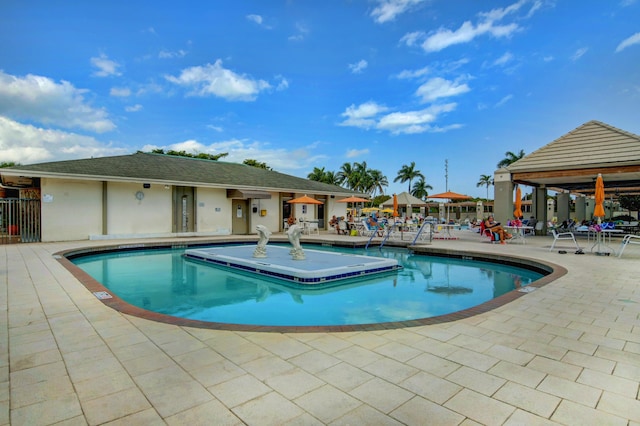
[[162, 280]]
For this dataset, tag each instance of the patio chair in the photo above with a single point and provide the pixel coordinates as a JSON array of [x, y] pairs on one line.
[[494, 237], [626, 240], [563, 236]]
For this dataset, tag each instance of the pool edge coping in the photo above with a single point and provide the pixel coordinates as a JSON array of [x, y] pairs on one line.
[[555, 271]]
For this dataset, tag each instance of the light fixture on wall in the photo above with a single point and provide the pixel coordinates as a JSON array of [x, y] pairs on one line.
[[167, 187]]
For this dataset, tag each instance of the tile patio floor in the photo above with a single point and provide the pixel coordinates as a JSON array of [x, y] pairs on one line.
[[567, 353]]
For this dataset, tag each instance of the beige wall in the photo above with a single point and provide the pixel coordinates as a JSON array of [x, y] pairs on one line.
[[128, 215], [213, 211], [272, 218], [71, 209]]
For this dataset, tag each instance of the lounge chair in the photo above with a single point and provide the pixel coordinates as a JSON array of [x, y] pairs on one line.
[[494, 237], [343, 228], [626, 240], [563, 236]]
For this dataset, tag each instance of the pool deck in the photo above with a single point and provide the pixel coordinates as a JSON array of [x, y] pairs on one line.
[[566, 353]]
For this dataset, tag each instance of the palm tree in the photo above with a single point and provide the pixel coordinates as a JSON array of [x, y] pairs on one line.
[[420, 189], [408, 173], [510, 158], [317, 174], [360, 180], [256, 163], [345, 175], [485, 180], [331, 178], [378, 180]]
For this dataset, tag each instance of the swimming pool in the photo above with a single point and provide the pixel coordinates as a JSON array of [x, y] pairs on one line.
[[163, 281]]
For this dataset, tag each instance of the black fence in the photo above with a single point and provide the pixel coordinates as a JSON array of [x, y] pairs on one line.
[[19, 220]]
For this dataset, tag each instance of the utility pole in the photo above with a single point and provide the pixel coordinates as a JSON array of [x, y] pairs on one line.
[[446, 175]]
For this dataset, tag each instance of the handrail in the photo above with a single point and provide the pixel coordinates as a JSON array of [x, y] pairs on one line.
[[428, 224]]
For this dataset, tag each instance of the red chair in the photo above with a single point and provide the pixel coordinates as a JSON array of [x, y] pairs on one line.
[[494, 237]]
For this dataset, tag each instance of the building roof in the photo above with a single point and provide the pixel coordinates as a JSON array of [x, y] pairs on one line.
[[174, 170], [572, 161]]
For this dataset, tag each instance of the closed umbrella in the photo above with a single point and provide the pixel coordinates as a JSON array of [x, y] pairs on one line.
[[518, 202], [599, 210], [395, 206]]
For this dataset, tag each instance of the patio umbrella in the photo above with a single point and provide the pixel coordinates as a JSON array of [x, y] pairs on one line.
[[599, 210], [353, 200], [450, 196], [518, 202], [370, 209], [387, 210], [304, 200], [395, 206]]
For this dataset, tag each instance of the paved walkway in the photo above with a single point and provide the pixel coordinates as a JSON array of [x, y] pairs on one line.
[[567, 353]]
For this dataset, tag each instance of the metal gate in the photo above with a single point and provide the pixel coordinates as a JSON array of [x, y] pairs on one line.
[[19, 220]]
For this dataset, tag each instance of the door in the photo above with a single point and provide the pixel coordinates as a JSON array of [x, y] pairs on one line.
[[183, 210], [239, 225]]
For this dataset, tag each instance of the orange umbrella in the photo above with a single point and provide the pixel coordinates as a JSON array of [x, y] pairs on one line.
[[395, 206], [304, 200], [599, 210], [451, 196], [353, 200], [518, 202]]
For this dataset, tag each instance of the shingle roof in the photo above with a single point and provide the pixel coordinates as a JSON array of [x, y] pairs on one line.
[[144, 167], [594, 144]]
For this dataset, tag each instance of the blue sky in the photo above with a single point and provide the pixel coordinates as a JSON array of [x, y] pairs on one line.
[[302, 84]]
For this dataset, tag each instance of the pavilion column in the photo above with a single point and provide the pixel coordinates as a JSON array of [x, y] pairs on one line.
[[539, 208], [581, 208], [479, 211], [564, 201], [503, 195]]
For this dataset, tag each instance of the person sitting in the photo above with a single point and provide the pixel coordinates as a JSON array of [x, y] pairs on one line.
[[373, 223], [333, 222], [494, 226]]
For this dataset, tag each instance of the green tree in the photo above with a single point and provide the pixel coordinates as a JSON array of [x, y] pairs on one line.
[[421, 189], [510, 158], [256, 163], [485, 180], [8, 164], [345, 175], [202, 155], [408, 173], [317, 174], [378, 181]]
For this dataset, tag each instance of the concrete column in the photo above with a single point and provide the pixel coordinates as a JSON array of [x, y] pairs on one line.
[[581, 208], [539, 208], [503, 195], [564, 201], [479, 211]]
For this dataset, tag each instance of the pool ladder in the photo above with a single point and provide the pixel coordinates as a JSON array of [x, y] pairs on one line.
[[425, 225]]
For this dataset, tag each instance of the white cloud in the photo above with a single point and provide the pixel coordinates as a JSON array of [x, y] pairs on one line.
[[41, 100], [133, 108], [409, 74], [630, 41], [438, 87], [363, 115], [488, 25], [26, 144], [358, 67], [167, 54], [106, 66], [302, 32], [579, 53], [371, 115], [356, 153], [412, 122], [121, 92], [503, 60], [255, 18], [283, 84], [218, 81], [238, 150], [387, 10], [504, 100]]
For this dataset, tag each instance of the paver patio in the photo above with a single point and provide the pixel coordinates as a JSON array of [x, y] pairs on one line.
[[566, 353]]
